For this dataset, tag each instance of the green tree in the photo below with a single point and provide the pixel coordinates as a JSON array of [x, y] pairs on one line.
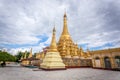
[[27, 54], [5, 56], [21, 54], [34, 55]]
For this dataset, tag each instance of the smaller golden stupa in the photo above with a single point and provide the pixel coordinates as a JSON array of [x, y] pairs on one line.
[[52, 60], [30, 55]]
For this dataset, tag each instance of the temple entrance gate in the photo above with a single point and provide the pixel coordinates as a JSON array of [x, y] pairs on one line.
[[97, 62], [107, 62], [117, 61]]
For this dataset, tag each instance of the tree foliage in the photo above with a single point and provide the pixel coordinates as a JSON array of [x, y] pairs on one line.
[[21, 54], [34, 55], [4, 56]]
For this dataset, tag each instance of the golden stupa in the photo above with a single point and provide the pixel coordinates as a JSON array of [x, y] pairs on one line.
[[30, 55], [52, 58], [66, 46]]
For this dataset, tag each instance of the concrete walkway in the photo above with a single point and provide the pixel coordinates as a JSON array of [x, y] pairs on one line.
[[16, 72]]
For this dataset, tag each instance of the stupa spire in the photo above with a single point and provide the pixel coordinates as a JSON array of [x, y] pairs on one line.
[[25, 55], [30, 55], [65, 29], [53, 46]]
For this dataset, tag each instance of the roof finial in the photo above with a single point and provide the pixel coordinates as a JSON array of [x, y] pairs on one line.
[[54, 29], [65, 13]]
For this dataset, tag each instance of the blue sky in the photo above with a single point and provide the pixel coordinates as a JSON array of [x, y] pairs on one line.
[[93, 24]]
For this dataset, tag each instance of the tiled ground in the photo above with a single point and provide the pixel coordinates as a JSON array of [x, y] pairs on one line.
[[22, 73]]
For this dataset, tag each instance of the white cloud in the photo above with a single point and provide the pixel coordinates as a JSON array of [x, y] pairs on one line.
[[95, 22]]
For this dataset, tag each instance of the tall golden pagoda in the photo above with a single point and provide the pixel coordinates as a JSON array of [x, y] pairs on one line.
[[66, 47], [52, 58]]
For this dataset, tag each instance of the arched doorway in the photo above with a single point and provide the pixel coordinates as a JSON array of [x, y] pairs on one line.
[[97, 62], [107, 62], [117, 61]]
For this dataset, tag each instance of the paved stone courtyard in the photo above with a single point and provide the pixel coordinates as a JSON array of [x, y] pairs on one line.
[[17, 72]]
